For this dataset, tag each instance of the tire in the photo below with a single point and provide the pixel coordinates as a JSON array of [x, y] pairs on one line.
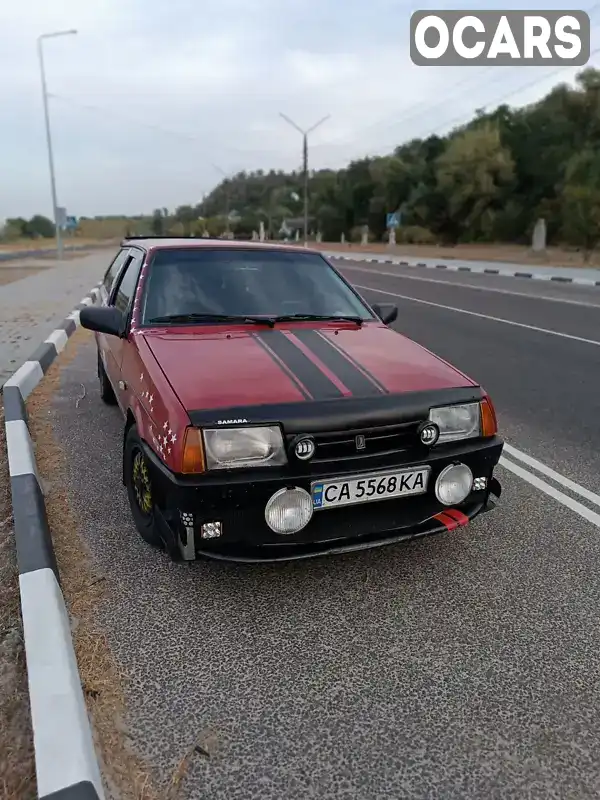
[[106, 391], [139, 489]]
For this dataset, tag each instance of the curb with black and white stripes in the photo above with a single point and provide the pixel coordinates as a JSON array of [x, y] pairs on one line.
[[502, 272], [66, 763]]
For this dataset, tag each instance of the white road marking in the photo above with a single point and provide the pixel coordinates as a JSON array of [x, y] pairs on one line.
[[576, 488], [495, 290], [538, 483], [481, 316], [502, 272]]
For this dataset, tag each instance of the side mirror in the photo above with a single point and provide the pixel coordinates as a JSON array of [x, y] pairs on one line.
[[387, 312], [102, 319]]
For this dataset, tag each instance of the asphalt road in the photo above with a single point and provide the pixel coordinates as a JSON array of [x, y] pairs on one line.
[[464, 666], [545, 386]]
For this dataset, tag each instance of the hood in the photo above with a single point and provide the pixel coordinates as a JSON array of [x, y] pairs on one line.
[[211, 369]]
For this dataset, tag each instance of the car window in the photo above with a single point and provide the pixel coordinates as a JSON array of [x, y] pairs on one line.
[[113, 270], [127, 284], [253, 282]]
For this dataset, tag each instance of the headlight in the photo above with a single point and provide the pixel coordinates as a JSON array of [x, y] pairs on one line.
[[244, 447], [457, 422]]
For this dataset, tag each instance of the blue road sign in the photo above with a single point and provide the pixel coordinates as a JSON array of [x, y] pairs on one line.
[[393, 220], [71, 223]]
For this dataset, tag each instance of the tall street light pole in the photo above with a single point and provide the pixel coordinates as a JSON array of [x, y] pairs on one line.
[[305, 163], [59, 243]]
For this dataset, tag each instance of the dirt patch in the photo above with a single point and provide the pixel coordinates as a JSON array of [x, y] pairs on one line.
[[472, 252], [17, 767], [14, 273], [47, 244], [84, 588], [18, 268]]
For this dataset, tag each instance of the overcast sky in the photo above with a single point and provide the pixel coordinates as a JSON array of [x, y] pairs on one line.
[[148, 95]]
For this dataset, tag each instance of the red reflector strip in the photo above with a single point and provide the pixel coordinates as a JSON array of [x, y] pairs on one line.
[[446, 520], [461, 518]]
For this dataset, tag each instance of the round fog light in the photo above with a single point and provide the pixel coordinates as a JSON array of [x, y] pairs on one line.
[[289, 510], [453, 484]]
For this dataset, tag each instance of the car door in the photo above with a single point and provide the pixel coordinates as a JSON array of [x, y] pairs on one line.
[[106, 292], [121, 297]]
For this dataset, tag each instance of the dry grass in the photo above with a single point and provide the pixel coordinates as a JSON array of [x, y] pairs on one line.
[[17, 768], [104, 683], [473, 252], [84, 588]]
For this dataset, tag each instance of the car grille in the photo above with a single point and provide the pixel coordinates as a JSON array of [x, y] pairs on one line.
[[388, 440]]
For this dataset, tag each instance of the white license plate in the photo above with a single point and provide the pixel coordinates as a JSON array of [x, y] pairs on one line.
[[367, 488]]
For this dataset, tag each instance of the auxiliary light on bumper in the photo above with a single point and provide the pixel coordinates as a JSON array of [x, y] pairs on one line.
[[289, 510], [454, 484]]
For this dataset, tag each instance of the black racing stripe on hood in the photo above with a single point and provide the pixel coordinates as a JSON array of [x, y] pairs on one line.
[[350, 373], [308, 374], [283, 367]]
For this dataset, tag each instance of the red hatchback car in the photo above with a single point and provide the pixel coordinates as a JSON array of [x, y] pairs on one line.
[[271, 413]]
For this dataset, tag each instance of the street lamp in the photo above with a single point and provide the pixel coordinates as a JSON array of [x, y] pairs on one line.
[[59, 245], [305, 163]]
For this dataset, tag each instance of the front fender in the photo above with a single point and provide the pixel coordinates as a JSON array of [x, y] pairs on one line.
[[138, 416]]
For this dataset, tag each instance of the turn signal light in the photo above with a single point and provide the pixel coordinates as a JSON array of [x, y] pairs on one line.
[[489, 423], [192, 461]]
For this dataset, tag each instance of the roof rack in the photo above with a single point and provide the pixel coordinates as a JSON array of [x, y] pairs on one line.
[[166, 236], [154, 236]]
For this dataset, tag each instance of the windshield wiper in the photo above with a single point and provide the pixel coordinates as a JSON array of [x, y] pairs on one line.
[[318, 318], [245, 318], [212, 318]]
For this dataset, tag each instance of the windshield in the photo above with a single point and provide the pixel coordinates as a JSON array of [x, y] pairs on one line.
[[246, 283]]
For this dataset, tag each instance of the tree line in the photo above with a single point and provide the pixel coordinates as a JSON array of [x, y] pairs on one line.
[[486, 181], [38, 227]]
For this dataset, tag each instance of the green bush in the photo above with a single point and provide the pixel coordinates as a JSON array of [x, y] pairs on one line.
[[415, 234]]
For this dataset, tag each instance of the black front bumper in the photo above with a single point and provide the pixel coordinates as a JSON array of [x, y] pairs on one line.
[[237, 500]]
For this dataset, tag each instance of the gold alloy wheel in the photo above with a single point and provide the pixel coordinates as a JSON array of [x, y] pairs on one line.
[[141, 483]]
